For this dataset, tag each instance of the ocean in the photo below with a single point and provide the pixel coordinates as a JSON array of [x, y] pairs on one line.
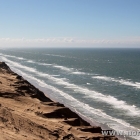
[[101, 85]]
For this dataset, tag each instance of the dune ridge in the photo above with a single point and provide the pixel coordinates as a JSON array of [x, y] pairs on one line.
[[27, 114]]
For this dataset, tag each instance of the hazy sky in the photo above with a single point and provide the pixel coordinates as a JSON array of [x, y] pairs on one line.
[[69, 23]]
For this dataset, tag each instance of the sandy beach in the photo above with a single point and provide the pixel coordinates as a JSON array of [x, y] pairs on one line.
[[27, 114]]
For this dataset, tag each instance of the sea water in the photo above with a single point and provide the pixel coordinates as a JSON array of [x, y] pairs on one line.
[[101, 85]]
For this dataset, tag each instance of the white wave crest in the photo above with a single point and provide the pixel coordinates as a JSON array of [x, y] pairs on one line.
[[30, 61], [15, 64], [63, 68], [96, 96], [43, 64], [20, 58], [55, 55], [79, 73], [120, 81], [71, 70]]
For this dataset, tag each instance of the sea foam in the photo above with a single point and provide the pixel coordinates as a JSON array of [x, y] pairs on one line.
[[120, 81], [96, 96]]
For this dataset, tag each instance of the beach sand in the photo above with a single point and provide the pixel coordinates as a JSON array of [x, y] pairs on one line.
[[27, 114]]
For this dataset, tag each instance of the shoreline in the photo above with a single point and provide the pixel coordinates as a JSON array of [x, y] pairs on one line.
[[27, 113]]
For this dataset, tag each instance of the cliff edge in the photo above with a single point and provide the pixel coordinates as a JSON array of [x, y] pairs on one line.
[[27, 114]]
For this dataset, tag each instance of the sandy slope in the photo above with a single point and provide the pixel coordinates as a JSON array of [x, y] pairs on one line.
[[27, 114]]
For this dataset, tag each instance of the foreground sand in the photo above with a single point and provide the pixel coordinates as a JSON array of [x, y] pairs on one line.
[[27, 114]]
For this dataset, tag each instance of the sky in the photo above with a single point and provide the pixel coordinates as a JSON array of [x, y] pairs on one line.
[[70, 23]]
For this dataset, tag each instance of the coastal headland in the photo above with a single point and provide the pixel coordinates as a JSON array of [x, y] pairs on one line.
[[27, 114]]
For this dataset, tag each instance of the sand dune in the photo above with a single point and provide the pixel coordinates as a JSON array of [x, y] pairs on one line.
[[27, 114]]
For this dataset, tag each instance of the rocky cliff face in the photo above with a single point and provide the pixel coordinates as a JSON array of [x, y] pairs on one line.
[[27, 114]]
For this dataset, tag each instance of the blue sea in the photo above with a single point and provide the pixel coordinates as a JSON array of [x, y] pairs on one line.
[[101, 85]]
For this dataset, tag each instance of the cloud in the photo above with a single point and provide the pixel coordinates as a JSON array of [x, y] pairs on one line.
[[69, 42]]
